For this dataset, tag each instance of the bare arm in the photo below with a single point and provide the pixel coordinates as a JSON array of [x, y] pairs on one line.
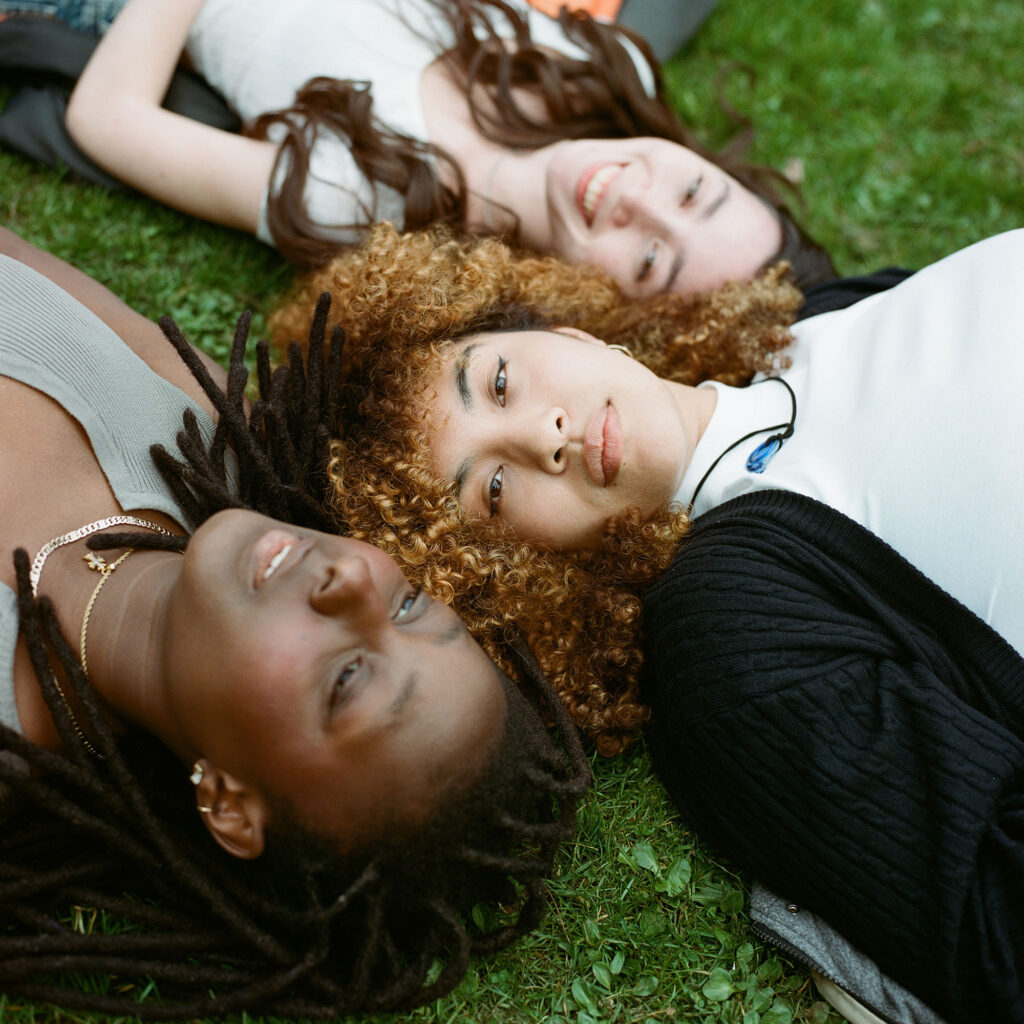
[[142, 336], [115, 116]]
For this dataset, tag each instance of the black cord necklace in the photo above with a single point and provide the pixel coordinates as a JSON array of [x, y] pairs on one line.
[[762, 454]]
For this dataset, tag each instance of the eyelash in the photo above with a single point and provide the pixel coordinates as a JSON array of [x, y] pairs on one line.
[[500, 396], [501, 382], [408, 603], [342, 690], [494, 492], [650, 257], [647, 265]]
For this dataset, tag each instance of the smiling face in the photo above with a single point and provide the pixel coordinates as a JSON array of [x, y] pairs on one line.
[[306, 665], [553, 433], [657, 216]]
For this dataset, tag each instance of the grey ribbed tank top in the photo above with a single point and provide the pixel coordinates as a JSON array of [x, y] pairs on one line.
[[51, 342]]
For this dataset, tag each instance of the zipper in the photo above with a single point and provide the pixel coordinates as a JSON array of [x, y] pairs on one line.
[[772, 938], [789, 949]]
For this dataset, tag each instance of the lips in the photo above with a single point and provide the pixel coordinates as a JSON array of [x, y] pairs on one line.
[[276, 548], [591, 188], [602, 446]]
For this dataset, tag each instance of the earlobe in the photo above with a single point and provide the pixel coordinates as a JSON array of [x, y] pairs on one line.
[[575, 332], [234, 813]]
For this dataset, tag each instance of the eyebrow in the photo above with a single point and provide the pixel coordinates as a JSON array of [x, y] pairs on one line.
[[462, 361], [677, 264], [403, 696], [713, 208], [450, 635], [461, 474], [465, 393]]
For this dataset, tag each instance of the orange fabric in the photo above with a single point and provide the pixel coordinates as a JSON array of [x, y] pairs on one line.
[[602, 10]]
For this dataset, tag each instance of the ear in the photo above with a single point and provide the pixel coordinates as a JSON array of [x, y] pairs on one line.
[[575, 332], [235, 813]]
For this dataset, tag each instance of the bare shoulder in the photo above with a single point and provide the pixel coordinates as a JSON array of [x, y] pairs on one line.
[[141, 335]]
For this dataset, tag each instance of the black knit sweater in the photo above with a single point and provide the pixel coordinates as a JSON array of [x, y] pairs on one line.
[[852, 736]]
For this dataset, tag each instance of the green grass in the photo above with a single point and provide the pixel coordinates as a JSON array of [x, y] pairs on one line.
[[905, 118]]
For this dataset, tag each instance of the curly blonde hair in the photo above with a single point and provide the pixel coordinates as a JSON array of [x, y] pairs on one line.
[[401, 299]]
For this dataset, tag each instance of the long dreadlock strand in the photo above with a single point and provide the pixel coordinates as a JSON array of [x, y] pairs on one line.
[[303, 935], [158, 542], [123, 794]]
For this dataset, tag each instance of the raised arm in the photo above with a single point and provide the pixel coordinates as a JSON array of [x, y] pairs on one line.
[[115, 116]]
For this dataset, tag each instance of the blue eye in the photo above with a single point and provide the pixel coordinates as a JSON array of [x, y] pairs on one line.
[[494, 491], [500, 381], [693, 189]]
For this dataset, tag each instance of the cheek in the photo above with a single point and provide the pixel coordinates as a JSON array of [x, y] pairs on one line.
[[461, 720], [383, 569], [613, 252], [618, 253], [556, 516], [758, 225], [266, 665]]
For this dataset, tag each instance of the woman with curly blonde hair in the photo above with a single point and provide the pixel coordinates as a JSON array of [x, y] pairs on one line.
[[402, 299], [832, 657]]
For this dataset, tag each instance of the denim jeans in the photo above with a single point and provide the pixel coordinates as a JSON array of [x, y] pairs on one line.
[[92, 16]]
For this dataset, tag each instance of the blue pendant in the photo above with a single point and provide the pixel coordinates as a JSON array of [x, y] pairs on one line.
[[761, 455]]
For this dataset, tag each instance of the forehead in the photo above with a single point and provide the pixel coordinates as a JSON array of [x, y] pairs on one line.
[[453, 721], [459, 354], [454, 391]]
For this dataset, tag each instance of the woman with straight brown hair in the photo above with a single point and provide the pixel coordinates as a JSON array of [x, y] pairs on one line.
[[484, 114]]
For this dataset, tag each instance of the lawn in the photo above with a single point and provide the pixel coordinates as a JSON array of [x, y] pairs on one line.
[[903, 120]]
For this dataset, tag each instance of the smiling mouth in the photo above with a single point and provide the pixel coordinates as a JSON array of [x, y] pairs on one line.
[[270, 553], [591, 187], [276, 561], [602, 446]]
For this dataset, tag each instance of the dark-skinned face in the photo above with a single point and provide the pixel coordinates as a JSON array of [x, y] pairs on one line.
[[307, 665]]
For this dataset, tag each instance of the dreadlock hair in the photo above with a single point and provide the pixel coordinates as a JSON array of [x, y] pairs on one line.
[[297, 932], [492, 58], [402, 299]]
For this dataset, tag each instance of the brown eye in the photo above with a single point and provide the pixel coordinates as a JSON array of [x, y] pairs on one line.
[[647, 264], [500, 382], [693, 189], [494, 491], [341, 689]]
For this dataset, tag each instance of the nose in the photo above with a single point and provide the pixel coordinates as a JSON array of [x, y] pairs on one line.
[[637, 205], [542, 443], [346, 584]]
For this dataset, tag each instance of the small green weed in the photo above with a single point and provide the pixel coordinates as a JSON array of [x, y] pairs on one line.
[[902, 120]]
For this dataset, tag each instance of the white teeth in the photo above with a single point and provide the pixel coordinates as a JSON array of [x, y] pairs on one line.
[[277, 560], [599, 181]]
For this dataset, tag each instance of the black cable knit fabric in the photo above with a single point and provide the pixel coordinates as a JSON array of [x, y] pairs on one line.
[[845, 291], [851, 736]]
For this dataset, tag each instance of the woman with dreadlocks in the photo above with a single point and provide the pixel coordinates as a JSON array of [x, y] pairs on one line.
[[483, 114], [833, 628], [284, 773]]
